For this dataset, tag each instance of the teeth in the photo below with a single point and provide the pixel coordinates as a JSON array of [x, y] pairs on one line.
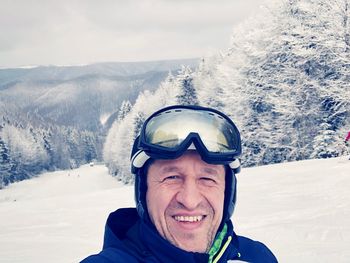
[[188, 218]]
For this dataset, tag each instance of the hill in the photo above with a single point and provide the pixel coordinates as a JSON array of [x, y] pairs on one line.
[[82, 96], [301, 210], [54, 118]]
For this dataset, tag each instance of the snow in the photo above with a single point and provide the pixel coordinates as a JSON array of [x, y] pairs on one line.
[[301, 210]]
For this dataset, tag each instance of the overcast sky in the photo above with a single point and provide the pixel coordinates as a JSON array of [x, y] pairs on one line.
[[69, 32]]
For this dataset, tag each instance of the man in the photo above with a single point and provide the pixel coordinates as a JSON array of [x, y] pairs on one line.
[[184, 161]]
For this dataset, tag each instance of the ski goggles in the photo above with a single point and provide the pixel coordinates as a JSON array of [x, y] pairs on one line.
[[169, 132]]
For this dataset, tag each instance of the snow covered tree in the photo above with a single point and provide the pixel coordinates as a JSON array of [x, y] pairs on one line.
[[285, 74], [124, 109], [118, 144], [5, 164], [89, 146], [210, 87], [289, 74], [46, 137], [324, 144], [26, 150], [284, 81], [139, 119], [188, 94]]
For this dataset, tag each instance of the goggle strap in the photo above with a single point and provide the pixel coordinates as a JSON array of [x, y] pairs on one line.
[[140, 158]]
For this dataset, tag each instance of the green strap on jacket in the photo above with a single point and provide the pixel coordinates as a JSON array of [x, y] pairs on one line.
[[214, 250]]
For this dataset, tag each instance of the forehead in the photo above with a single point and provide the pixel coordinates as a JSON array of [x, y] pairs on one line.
[[190, 159]]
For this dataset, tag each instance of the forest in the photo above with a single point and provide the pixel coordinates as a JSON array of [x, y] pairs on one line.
[[284, 81]]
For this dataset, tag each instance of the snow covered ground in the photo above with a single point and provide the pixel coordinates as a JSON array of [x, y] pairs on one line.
[[301, 210]]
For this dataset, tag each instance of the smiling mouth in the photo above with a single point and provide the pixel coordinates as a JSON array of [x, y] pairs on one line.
[[189, 218]]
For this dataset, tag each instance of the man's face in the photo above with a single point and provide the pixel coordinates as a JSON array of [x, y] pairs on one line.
[[185, 199]]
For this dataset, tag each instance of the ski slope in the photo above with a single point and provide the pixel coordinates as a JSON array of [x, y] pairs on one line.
[[301, 210]]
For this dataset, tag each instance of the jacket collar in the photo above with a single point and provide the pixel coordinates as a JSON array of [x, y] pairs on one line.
[[124, 229]]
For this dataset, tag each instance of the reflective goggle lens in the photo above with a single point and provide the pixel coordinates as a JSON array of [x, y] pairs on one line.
[[170, 128]]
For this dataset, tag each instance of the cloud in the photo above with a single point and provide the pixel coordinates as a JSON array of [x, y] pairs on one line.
[[69, 32]]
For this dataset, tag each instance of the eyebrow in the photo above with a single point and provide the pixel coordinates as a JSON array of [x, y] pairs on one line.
[[208, 170], [211, 171], [169, 169]]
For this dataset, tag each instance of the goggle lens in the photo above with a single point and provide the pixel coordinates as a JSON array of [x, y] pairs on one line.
[[170, 128]]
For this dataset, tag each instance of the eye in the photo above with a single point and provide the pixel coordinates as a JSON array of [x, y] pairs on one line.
[[208, 180], [171, 178]]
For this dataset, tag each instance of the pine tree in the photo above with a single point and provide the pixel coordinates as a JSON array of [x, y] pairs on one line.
[[139, 119], [46, 136], [323, 143], [89, 146], [188, 94], [124, 109], [5, 164]]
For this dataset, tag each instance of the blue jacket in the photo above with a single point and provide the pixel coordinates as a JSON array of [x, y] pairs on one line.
[[131, 240]]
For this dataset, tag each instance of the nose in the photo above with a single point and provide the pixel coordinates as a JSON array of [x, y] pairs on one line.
[[189, 195]]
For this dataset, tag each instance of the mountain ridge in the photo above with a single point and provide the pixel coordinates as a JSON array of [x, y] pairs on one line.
[[53, 72]]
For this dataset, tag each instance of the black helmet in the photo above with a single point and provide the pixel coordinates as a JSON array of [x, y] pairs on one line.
[[211, 133]]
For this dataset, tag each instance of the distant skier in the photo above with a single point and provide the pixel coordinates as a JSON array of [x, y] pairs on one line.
[[347, 139]]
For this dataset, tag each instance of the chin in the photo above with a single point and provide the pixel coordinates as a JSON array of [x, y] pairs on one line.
[[194, 249]]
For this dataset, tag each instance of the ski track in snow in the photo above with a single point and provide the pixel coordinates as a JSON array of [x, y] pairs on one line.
[[301, 210]]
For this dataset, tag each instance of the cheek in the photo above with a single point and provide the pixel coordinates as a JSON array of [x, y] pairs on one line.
[[216, 200], [157, 201]]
